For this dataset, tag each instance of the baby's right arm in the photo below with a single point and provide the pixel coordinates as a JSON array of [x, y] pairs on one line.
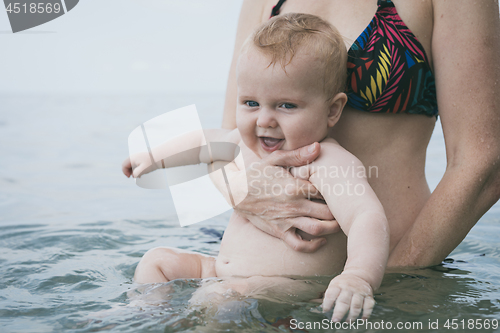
[[186, 149], [341, 178]]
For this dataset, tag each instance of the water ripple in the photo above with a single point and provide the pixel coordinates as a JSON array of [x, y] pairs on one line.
[[80, 278]]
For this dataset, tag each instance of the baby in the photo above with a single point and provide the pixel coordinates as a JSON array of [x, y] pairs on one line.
[[290, 78]]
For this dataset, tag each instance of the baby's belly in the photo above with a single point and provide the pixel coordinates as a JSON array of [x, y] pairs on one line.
[[247, 251]]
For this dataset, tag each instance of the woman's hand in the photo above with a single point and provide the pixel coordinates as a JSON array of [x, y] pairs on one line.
[[278, 204]]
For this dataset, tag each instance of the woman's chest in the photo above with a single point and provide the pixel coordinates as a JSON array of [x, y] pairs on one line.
[[351, 18]]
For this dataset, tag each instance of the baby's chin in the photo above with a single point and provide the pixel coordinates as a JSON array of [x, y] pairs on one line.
[[259, 150], [263, 153], [286, 147]]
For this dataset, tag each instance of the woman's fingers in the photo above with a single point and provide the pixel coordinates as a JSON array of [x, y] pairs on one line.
[[292, 239], [314, 226], [286, 230], [316, 210], [297, 157], [289, 235], [304, 189], [264, 225]]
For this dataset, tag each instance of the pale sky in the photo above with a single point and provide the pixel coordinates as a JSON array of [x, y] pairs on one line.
[[123, 46]]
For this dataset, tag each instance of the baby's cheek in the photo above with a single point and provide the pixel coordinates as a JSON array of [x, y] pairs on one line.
[[244, 123], [246, 135], [249, 139]]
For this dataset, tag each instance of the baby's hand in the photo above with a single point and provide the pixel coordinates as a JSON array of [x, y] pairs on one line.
[[138, 165], [350, 294]]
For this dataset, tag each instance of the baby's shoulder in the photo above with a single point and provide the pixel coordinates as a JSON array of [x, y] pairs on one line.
[[331, 145], [332, 153]]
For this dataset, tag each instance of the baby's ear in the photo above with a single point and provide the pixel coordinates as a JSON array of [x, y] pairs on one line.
[[337, 104]]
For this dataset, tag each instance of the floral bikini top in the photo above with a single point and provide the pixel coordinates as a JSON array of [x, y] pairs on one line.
[[388, 70]]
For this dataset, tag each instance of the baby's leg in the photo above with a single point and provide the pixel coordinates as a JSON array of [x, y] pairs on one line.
[[163, 264], [274, 288]]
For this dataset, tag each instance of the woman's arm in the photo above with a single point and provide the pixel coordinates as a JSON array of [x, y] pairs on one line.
[[465, 50], [251, 15]]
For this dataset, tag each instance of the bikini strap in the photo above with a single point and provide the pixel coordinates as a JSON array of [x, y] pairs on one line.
[[384, 3], [276, 9]]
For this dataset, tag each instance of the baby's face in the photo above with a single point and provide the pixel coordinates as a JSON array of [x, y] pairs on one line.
[[277, 109]]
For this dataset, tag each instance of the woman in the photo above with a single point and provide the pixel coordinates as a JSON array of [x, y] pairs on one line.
[[455, 45]]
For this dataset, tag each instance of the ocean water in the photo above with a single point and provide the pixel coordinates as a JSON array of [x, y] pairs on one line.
[[73, 228]]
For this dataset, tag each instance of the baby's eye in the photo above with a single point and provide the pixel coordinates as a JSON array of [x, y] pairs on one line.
[[287, 106], [252, 103]]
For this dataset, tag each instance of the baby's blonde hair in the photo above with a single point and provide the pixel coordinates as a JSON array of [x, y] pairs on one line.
[[283, 36]]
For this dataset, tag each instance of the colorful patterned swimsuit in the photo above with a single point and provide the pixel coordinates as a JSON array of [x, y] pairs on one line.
[[388, 70]]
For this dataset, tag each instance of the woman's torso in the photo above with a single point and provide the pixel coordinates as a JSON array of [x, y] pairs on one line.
[[393, 145]]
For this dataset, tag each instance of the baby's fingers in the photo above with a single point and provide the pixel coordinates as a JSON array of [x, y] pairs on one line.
[[356, 306], [331, 295], [139, 170], [127, 167], [342, 305], [368, 307]]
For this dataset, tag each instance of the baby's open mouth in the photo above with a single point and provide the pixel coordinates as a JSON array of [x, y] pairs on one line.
[[270, 144]]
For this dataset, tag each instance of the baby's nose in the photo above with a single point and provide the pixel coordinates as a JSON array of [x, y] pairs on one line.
[[266, 119]]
